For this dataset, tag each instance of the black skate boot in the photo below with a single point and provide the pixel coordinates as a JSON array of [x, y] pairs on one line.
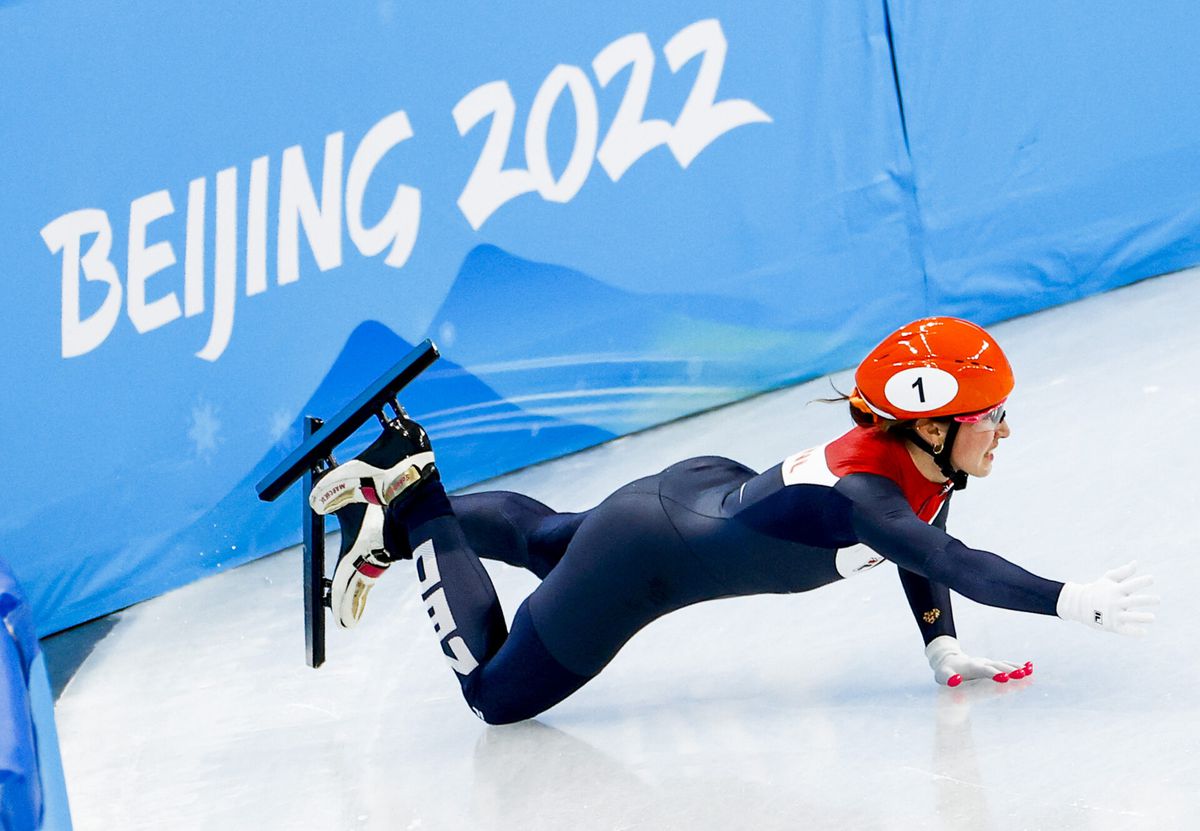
[[394, 463], [361, 561]]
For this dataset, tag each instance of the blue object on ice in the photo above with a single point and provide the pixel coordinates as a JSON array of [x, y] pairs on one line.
[[32, 788]]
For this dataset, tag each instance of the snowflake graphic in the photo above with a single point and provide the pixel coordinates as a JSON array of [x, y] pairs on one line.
[[203, 430], [281, 427]]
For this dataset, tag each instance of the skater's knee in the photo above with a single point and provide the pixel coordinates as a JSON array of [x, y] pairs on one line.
[[493, 700], [509, 706], [521, 680], [497, 718]]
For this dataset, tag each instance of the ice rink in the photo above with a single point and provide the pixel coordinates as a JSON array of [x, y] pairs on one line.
[[196, 711]]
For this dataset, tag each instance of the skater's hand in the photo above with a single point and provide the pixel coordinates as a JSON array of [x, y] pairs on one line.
[[951, 666], [1117, 602]]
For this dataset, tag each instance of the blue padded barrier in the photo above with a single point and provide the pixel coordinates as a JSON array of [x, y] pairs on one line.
[[33, 793]]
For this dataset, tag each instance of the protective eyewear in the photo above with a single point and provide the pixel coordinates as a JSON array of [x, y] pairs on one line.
[[985, 420]]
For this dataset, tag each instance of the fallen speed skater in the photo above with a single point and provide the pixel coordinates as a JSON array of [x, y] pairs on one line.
[[929, 413]]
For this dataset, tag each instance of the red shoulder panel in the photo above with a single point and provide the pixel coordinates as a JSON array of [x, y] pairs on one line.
[[869, 450]]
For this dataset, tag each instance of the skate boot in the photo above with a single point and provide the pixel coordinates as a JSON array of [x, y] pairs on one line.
[[361, 561], [394, 462]]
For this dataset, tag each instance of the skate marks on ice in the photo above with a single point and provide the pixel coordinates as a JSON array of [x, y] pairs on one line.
[[817, 710]]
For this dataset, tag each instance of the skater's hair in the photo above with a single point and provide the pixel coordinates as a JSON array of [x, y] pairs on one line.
[[863, 419]]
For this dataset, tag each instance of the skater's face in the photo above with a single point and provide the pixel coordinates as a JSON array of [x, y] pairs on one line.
[[974, 448]]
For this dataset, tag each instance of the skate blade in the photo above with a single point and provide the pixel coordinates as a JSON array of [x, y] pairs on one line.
[[329, 498], [358, 605], [409, 476], [340, 501]]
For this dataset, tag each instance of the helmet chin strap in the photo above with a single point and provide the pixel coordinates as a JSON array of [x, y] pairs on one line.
[[942, 456]]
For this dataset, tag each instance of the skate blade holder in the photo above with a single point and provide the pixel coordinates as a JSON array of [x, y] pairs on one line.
[[313, 457]]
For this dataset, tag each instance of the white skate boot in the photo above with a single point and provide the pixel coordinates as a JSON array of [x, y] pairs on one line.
[[361, 561], [393, 463]]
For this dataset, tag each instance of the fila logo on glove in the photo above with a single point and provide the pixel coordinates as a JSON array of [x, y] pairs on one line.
[[438, 609]]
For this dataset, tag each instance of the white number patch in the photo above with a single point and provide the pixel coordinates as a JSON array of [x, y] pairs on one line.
[[920, 389]]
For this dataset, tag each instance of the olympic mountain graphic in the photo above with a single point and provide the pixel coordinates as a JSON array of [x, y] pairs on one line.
[[563, 342]]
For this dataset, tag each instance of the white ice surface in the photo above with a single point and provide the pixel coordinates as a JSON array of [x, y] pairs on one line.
[[806, 711]]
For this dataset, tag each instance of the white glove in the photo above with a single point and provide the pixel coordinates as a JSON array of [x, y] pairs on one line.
[[951, 666], [1111, 603]]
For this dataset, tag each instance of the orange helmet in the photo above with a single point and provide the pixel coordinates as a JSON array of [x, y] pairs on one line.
[[934, 367]]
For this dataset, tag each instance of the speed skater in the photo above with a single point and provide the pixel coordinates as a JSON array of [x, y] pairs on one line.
[[929, 412]]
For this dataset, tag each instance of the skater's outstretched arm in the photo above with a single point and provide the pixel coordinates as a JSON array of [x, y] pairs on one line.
[[884, 521]]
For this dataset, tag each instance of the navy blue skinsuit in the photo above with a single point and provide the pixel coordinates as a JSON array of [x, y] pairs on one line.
[[702, 529]]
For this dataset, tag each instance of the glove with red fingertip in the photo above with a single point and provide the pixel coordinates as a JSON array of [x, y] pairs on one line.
[[951, 666]]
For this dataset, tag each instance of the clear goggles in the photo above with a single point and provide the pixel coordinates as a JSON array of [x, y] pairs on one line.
[[985, 420]]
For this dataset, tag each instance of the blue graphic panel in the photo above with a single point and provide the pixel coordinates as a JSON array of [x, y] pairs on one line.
[[606, 218], [222, 219], [1056, 151]]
